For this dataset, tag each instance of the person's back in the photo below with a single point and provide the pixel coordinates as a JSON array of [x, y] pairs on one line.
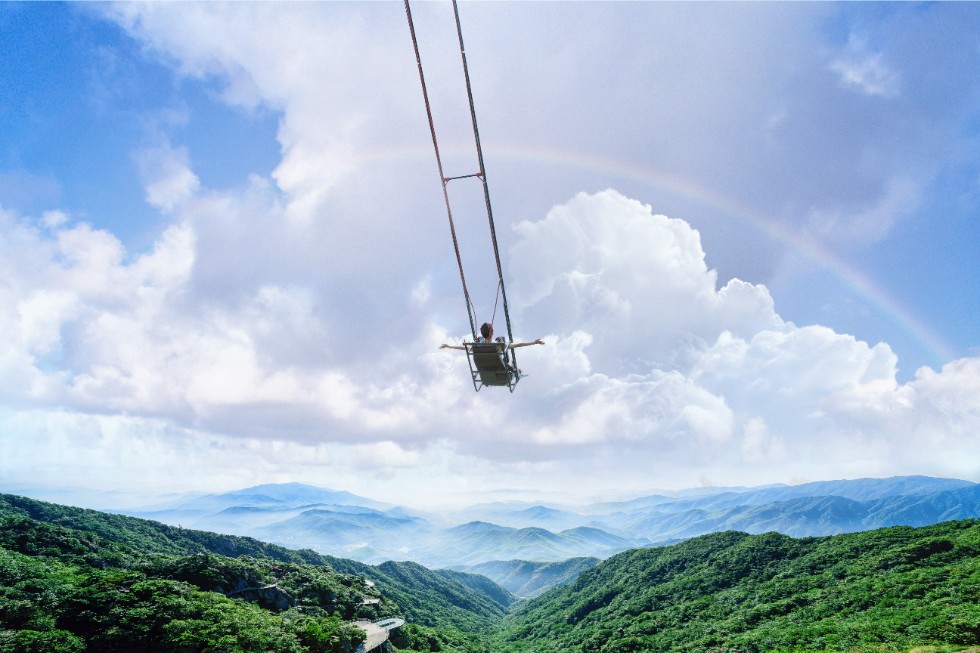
[[489, 363]]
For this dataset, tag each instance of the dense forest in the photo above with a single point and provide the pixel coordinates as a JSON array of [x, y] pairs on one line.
[[75, 580], [81, 580], [885, 590]]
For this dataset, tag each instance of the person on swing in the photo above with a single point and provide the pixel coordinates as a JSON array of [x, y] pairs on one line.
[[486, 331]]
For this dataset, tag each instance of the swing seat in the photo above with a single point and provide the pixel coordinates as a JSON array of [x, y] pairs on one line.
[[489, 365]]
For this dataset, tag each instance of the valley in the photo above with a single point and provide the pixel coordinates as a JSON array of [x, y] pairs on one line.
[[77, 580]]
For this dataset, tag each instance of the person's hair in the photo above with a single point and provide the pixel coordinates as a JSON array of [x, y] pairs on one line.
[[486, 330]]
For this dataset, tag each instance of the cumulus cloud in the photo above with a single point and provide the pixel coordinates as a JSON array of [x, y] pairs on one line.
[[648, 363], [290, 325], [636, 282]]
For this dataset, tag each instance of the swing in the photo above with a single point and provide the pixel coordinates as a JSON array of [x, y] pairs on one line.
[[491, 364]]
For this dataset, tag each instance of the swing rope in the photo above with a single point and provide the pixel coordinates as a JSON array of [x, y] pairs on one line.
[[481, 175], [470, 309], [502, 292]]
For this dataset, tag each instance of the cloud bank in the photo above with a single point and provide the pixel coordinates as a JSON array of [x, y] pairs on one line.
[[652, 373], [287, 328]]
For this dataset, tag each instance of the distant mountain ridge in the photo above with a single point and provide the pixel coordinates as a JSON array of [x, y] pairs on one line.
[[807, 515], [477, 541], [529, 579], [343, 524]]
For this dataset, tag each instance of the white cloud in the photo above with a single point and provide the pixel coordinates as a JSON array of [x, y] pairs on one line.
[[103, 334], [867, 71], [852, 228], [759, 444], [310, 63], [649, 367], [293, 323], [54, 219], [167, 176], [635, 281]]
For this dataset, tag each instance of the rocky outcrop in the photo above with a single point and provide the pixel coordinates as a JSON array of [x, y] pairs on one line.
[[270, 597]]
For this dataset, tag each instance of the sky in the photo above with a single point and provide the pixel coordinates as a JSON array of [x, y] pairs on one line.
[[746, 232]]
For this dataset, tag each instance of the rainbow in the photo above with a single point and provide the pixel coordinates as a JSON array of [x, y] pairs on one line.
[[859, 284], [851, 278]]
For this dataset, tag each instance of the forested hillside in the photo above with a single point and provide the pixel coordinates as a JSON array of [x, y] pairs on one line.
[[80, 580], [75, 580], [886, 590]]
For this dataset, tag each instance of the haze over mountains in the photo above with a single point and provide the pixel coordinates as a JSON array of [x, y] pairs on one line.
[[343, 524]]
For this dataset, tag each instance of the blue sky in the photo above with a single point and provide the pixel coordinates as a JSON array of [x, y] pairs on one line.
[[747, 233]]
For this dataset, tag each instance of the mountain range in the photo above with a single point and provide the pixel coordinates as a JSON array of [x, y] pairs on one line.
[[78, 580], [343, 524]]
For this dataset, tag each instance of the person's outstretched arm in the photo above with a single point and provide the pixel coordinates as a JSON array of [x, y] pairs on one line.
[[454, 347], [515, 345]]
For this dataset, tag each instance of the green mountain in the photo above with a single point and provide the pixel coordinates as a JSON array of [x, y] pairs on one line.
[[76, 580], [884, 590]]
